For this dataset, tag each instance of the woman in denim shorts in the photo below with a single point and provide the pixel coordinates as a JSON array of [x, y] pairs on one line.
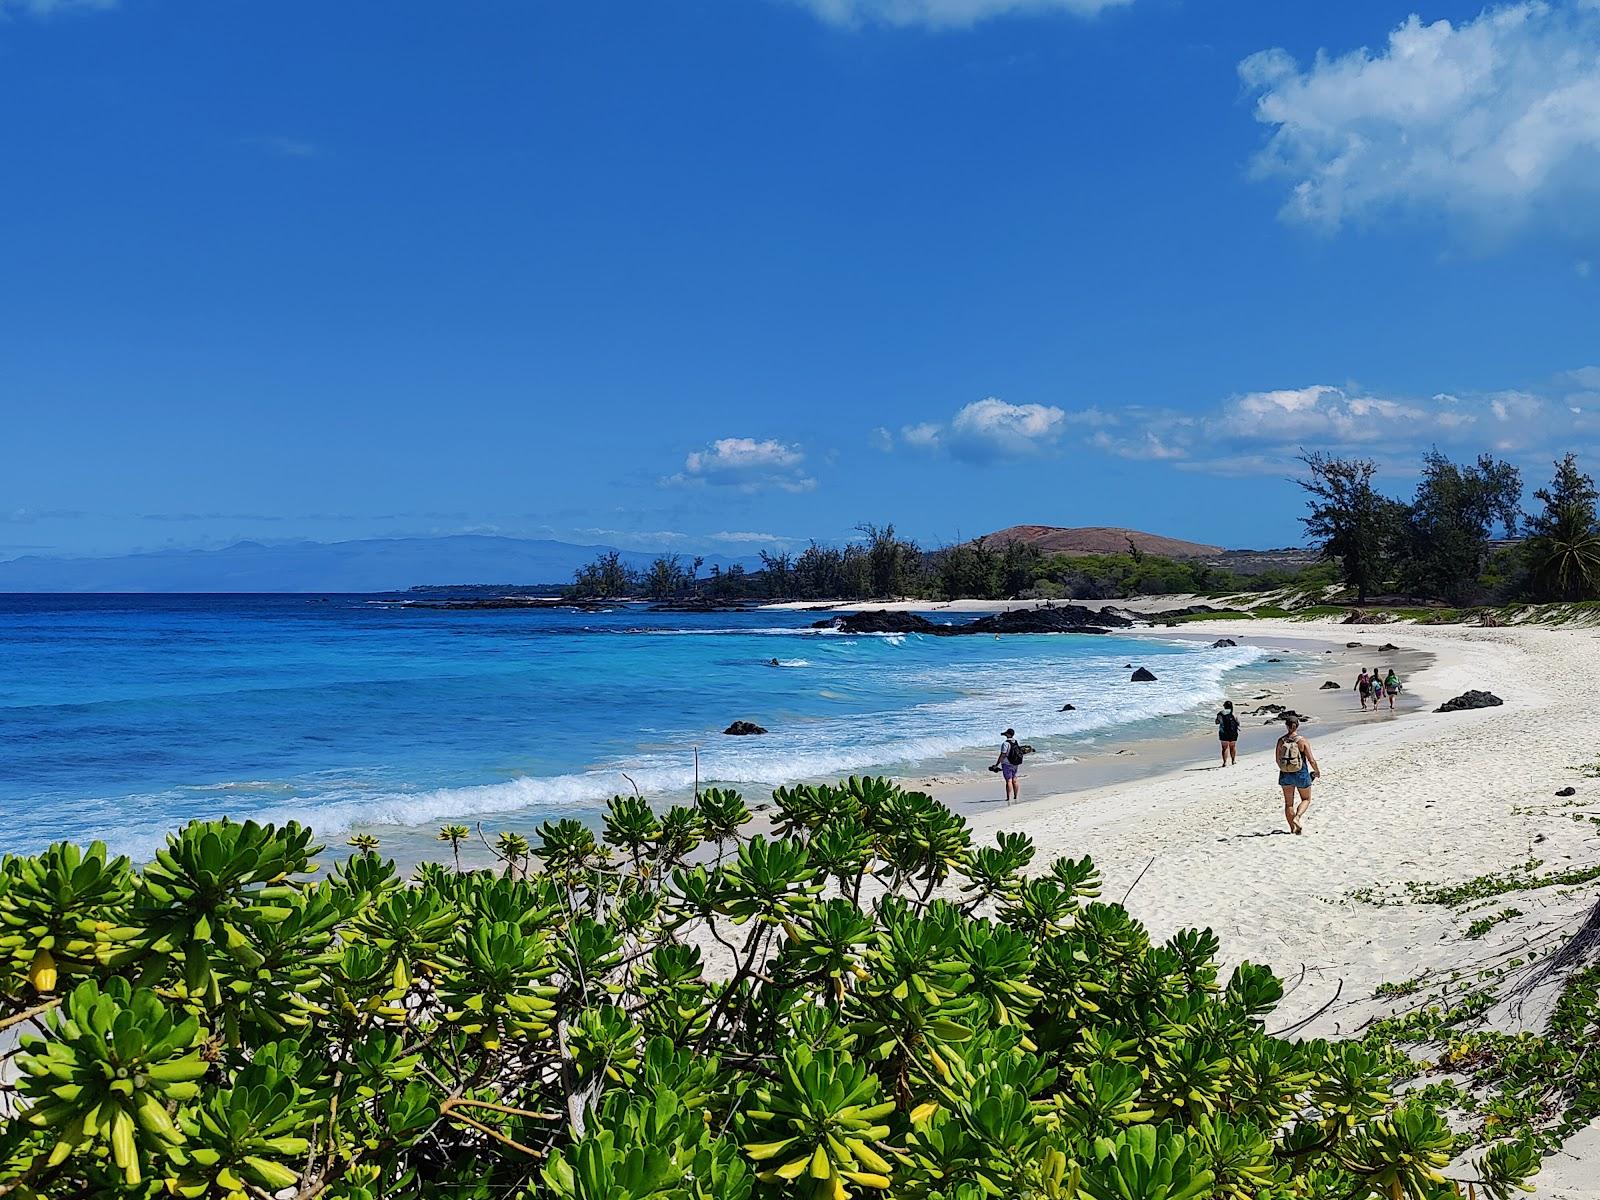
[[1297, 768]]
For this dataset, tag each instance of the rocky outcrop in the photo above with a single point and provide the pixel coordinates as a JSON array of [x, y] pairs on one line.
[[1357, 617], [1056, 618], [882, 622], [1069, 708], [1330, 685], [1470, 700], [743, 729], [699, 604], [1567, 791], [1387, 648], [1142, 676], [1285, 714], [1223, 644]]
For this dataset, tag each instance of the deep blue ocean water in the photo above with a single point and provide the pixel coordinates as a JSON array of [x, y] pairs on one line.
[[122, 717]]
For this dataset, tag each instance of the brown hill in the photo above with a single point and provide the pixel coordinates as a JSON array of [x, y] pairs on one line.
[[1052, 539]]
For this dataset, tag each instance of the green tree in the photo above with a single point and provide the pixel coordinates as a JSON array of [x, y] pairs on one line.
[[1019, 568], [607, 576], [666, 578], [1563, 547], [1448, 527], [1350, 521]]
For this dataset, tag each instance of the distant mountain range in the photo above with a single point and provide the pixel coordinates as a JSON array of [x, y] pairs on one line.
[[363, 565], [1098, 539]]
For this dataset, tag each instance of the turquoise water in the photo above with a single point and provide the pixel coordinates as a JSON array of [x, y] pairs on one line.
[[121, 717]]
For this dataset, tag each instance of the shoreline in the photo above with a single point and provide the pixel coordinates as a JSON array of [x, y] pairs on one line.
[[1126, 760], [1069, 763]]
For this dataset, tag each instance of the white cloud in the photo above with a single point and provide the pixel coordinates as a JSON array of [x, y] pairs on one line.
[[991, 429], [748, 465], [945, 14], [1262, 432], [1493, 120]]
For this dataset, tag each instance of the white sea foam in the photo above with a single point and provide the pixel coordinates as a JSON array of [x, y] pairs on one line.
[[824, 749]]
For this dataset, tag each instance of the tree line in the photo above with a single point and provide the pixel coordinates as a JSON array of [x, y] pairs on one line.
[[881, 564], [1440, 545]]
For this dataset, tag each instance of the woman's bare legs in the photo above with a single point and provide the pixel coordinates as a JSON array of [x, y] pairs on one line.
[[1288, 809], [1300, 809]]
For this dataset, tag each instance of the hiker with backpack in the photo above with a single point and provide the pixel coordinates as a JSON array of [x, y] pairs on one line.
[[1297, 768], [1010, 759], [1228, 733]]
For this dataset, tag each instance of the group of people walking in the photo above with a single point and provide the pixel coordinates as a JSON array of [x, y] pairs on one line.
[[1374, 687], [1296, 762]]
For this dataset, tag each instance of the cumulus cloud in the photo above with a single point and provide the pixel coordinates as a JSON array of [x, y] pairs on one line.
[[746, 464], [1262, 432], [1494, 120], [990, 429], [945, 14]]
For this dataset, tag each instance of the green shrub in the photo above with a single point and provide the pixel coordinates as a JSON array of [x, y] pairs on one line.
[[893, 1013]]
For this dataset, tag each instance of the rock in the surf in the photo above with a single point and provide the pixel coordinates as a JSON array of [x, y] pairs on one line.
[[1329, 685], [743, 729], [1142, 676]]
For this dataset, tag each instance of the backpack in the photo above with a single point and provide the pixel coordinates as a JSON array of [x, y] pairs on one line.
[[1230, 727], [1290, 760], [1014, 753]]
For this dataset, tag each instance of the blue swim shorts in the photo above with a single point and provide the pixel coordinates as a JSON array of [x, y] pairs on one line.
[[1299, 779]]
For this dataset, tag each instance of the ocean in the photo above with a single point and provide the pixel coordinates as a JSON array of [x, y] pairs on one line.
[[122, 717]]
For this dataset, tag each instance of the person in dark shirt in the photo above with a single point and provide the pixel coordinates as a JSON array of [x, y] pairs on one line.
[[1228, 734]]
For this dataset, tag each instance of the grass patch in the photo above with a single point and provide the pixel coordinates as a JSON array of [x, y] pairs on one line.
[[1483, 924], [1484, 887]]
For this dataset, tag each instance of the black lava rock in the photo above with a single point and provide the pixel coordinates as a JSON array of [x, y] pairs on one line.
[[1330, 685], [743, 729], [1142, 676], [1057, 618], [882, 622], [1472, 699], [1069, 708], [1568, 791], [1223, 643], [1387, 648]]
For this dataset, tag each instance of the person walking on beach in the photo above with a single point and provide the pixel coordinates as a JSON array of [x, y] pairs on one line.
[[1228, 733], [1008, 762], [1377, 691], [1297, 769], [1391, 687], [1364, 688]]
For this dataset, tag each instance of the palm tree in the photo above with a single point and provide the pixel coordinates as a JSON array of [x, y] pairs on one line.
[[455, 835]]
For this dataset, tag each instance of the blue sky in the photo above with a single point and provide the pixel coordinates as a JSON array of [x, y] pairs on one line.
[[719, 272]]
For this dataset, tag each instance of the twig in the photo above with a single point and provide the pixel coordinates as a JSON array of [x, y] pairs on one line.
[[1298, 1025], [28, 1014], [1136, 882], [448, 1109]]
